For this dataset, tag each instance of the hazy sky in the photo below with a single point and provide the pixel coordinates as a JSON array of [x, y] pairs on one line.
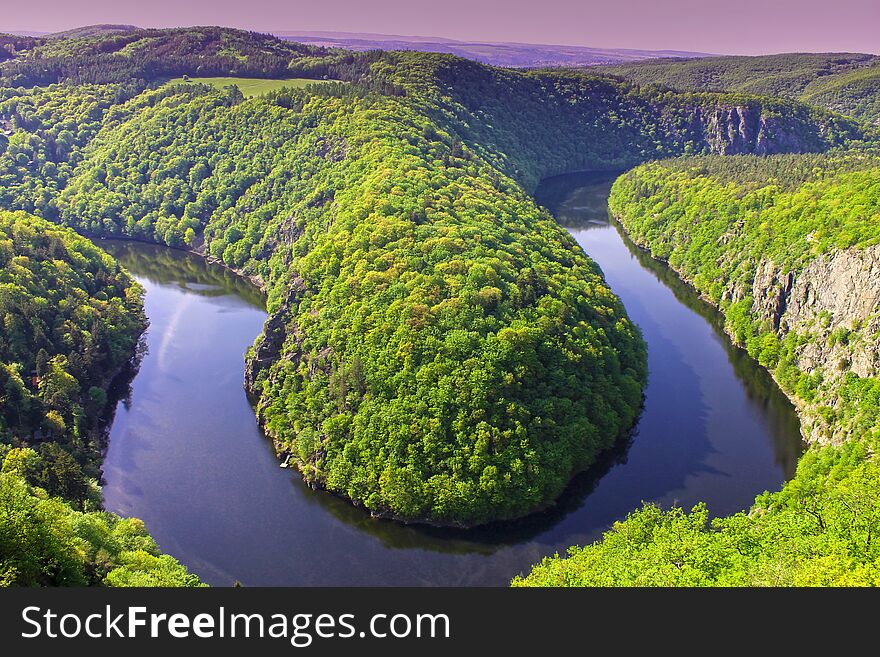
[[720, 26]]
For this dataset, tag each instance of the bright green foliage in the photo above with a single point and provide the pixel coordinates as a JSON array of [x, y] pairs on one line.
[[714, 220], [71, 320], [443, 350], [452, 356], [44, 542], [438, 348], [818, 531], [48, 127]]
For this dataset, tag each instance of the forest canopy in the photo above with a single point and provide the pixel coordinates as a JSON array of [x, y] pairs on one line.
[[438, 349], [843, 82], [71, 322], [744, 231]]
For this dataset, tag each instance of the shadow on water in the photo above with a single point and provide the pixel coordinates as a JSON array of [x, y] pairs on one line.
[[186, 454], [164, 265], [167, 266], [485, 538], [759, 385]]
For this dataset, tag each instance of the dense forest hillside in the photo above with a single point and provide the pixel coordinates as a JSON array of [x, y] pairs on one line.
[[438, 348], [786, 247], [542, 123], [144, 55], [841, 82], [71, 322], [93, 31]]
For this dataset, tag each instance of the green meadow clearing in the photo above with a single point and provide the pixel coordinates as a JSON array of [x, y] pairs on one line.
[[251, 87]]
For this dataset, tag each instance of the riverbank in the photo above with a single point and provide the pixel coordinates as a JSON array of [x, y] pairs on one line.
[[190, 459]]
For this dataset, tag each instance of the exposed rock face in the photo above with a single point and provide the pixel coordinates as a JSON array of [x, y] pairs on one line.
[[736, 130], [268, 346], [835, 302], [746, 130], [770, 291], [845, 285]]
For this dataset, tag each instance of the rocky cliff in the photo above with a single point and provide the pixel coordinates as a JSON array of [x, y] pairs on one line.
[[786, 247], [740, 130], [833, 305]]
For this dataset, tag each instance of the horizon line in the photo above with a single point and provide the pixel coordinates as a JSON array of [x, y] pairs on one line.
[[428, 39]]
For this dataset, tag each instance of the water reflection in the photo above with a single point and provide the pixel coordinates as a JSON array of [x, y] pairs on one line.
[[186, 455], [163, 265]]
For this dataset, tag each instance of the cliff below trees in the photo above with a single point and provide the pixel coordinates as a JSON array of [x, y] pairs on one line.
[[438, 349], [787, 248], [793, 264], [834, 302]]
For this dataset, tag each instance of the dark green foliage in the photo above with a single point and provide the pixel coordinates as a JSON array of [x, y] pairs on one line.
[[153, 54], [439, 349], [492, 363], [842, 82], [141, 57], [71, 320], [538, 124]]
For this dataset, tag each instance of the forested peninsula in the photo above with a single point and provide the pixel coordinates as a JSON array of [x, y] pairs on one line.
[[438, 349]]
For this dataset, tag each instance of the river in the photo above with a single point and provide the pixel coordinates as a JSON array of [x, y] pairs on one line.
[[186, 455]]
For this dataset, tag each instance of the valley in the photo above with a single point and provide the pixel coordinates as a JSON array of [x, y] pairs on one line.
[[440, 358]]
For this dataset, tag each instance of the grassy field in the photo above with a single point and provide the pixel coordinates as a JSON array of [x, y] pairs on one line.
[[251, 87]]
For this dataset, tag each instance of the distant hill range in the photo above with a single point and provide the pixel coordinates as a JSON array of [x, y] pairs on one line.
[[85, 32], [848, 83], [518, 55]]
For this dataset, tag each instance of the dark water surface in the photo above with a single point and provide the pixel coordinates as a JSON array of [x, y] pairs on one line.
[[186, 455]]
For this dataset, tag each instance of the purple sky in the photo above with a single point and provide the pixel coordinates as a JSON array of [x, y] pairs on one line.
[[720, 26]]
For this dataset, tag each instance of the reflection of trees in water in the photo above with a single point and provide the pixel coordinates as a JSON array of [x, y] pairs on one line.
[[580, 200], [167, 266], [780, 415], [485, 539], [119, 391], [577, 201]]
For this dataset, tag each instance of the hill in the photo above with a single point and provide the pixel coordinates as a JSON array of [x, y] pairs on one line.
[[516, 55], [843, 82], [144, 55], [438, 349], [92, 31]]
